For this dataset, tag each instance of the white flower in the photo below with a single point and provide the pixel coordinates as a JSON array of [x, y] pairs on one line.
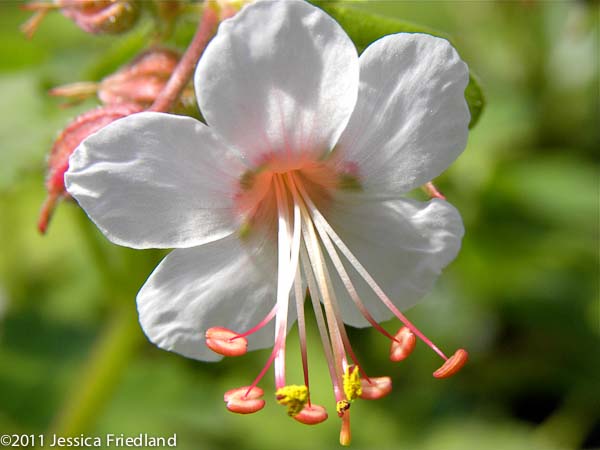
[[297, 180]]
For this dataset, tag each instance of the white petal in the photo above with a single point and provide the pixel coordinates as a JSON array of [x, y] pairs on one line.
[[403, 244], [411, 118], [155, 180], [279, 76], [223, 283]]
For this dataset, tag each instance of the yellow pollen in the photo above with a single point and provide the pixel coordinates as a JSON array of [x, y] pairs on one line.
[[245, 230], [349, 182], [342, 406], [294, 397], [352, 386]]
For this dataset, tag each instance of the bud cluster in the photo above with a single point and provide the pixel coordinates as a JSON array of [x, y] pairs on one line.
[[92, 16], [131, 89], [68, 140], [139, 81]]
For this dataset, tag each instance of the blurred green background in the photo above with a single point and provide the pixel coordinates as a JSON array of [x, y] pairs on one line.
[[522, 296]]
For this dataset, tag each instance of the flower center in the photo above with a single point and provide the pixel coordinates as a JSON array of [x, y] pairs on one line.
[[256, 200]]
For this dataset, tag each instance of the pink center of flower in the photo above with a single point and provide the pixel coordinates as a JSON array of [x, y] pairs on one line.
[[256, 199]]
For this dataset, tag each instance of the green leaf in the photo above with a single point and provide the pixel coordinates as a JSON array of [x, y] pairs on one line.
[[364, 28], [475, 99]]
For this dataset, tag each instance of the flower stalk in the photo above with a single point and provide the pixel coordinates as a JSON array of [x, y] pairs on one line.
[[184, 70]]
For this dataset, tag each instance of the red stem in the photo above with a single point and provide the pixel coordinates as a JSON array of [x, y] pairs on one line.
[[184, 70]]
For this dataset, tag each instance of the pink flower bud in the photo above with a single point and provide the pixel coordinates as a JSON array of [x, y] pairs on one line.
[[141, 80], [92, 16], [68, 140], [169, 11]]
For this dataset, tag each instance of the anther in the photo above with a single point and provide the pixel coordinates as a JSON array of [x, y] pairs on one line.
[[225, 342], [403, 344], [341, 407], [453, 364], [244, 400], [375, 388], [312, 415], [352, 384], [294, 397]]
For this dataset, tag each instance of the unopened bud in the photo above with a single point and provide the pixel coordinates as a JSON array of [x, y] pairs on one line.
[[92, 16], [102, 16], [141, 80], [244, 400], [403, 344], [312, 415], [453, 364], [58, 161], [170, 10], [375, 388], [226, 342]]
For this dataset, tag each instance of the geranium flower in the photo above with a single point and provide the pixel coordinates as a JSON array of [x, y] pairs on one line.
[[295, 182]]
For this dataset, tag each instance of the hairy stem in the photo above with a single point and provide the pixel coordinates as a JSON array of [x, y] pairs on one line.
[[184, 70]]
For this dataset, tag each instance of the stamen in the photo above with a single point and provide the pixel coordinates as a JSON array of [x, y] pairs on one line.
[[352, 384], [258, 326], [403, 345], [315, 299], [294, 397], [287, 267], [334, 309], [312, 415], [375, 388], [320, 221], [337, 262], [453, 364], [265, 368], [244, 400], [225, 342], [318, 267], [298, 294], [283, 285], [341, 407]]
